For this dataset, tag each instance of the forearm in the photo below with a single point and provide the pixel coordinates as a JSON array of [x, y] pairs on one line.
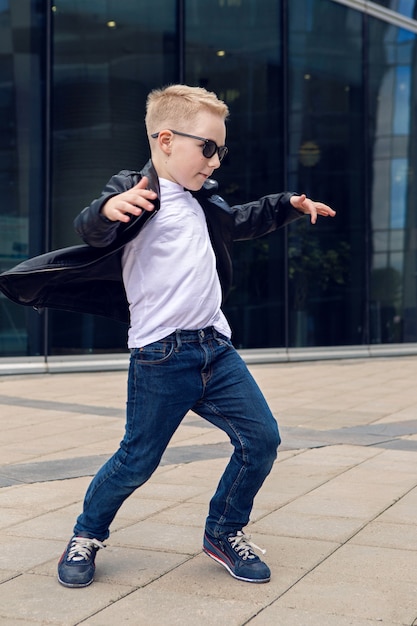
[[93, 228], [91, 225], [255, 219]]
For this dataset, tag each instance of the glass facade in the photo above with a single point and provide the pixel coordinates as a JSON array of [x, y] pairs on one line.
[[321, 94]]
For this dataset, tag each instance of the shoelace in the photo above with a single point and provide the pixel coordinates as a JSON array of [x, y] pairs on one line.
[[243, 545], [82, 547]]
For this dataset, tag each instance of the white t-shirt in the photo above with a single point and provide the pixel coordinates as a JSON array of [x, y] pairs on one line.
[[169, 272]]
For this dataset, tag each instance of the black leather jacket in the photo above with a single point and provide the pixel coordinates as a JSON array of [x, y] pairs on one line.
[[88, 278]]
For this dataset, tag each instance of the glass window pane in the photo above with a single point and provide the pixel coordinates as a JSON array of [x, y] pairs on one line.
[[326, 162], [107, 57], [392, 95], [234, 49], [22, 36]]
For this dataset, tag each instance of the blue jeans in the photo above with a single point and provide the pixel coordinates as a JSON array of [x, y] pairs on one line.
[[198, 370]]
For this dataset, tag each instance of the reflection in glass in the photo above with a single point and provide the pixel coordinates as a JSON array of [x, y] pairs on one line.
[[107, 57], [326, 161], [392, 267], [234, 49], [21, 161]]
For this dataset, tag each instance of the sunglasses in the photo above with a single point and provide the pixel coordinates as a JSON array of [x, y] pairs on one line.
[[209, 149]]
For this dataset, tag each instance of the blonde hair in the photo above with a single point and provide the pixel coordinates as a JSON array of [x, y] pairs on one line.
[[175, 105]]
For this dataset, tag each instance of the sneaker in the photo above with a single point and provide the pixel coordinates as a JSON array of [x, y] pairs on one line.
[[76, 566], [234, 552]]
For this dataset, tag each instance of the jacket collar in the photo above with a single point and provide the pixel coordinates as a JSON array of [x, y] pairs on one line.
[[150, 171]]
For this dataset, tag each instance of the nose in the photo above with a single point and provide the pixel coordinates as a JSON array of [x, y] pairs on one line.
[[214, 161]]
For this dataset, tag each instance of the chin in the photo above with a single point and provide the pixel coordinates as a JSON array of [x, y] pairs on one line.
[[196, 186]]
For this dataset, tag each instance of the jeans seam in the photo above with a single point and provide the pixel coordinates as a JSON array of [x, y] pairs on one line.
[[242, 471], [162, 360]]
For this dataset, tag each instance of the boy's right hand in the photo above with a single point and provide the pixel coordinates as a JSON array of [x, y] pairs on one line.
[[134, 201]]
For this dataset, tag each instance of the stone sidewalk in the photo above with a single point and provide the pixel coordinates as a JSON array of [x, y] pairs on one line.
[[337, 514]]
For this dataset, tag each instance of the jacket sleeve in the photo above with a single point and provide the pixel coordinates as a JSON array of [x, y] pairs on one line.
[[255, 219], [93, 227]]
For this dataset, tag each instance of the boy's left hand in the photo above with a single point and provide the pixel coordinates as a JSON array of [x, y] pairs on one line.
[[310, 207]]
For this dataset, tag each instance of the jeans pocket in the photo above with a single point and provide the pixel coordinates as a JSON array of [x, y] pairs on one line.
[[224, 341], [154, 353]]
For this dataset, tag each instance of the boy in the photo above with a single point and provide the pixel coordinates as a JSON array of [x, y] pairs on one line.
[[176, 268]]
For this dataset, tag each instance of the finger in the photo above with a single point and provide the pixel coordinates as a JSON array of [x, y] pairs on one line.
[[142, 184], [144, 200], [120, 216], [310, 207], [325, 210], [123, 211]]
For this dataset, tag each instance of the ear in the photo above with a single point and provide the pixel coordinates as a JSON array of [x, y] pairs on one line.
[[164, 141]]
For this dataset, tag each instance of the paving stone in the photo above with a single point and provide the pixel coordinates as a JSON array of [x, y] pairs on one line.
[[159, 608], [168, 537], [43, 599], [389, 602], [277, 615]]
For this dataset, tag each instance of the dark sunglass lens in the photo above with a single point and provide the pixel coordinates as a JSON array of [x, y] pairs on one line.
[[209, 149], [222, 152]]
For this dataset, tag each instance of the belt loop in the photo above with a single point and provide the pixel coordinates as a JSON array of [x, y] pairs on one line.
[[178, 337]]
